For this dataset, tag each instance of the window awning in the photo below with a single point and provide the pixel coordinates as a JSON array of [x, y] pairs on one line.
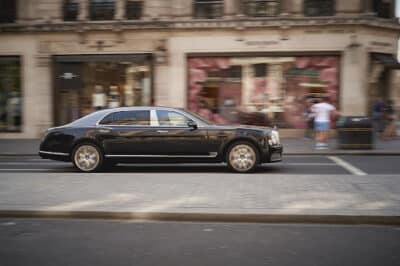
[[388, 60]]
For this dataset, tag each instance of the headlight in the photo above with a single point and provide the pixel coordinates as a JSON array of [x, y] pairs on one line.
[[274, 138]]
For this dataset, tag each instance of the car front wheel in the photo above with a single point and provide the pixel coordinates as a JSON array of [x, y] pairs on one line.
[[242, 157], [87, 157]]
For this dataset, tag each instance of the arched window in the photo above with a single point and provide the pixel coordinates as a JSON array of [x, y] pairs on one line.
[[315, 8], [70, 10], [102, 9], [261, 8]]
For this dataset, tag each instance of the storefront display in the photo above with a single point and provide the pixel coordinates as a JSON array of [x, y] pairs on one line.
[[260, 90], [92, 82], [10, 94]]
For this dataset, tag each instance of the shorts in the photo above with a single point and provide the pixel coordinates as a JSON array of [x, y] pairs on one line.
[[321, 126]]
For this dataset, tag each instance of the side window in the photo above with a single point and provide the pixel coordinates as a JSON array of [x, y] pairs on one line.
[[171, 119], [128, 118]]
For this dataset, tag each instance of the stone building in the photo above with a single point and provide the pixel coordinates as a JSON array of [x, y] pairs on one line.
[[232, 61]]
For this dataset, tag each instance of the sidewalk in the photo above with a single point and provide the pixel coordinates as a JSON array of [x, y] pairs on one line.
[[255, 197], [292, 146]]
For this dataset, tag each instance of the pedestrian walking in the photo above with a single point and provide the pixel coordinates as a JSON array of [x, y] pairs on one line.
[[322, 118], [389, 117], [377, 115], [309, 118]]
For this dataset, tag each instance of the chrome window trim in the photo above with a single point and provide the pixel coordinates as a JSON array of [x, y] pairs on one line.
[[54, 153], [211, 155], [154, 110]]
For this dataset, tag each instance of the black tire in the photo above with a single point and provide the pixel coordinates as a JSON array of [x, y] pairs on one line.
[[249, 158], [93, 153]]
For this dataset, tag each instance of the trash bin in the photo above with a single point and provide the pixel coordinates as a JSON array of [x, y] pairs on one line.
[[355, 132]]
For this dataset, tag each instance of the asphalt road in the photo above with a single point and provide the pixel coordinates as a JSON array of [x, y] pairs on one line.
[[98, 242], [315, 165]]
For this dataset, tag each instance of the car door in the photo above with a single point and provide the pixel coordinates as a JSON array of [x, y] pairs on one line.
[[128, 133], [177, 138]]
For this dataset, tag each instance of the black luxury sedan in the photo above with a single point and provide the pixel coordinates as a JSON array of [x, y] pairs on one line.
[[158, 135]]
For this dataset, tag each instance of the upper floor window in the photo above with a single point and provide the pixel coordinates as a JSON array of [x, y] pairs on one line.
[[8, 11], [261, 8], [208, 9], [102, 9], [134, 9], [383, 8], [70, 10], [314, 8]]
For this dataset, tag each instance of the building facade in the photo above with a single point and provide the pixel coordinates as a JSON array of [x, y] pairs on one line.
[[232, 61]]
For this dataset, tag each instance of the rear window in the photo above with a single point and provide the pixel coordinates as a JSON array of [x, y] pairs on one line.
[[128, 118]]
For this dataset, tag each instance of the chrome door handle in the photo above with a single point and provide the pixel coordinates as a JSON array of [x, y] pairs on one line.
[[162, 131]]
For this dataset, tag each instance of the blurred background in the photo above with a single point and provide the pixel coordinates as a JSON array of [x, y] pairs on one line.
[[260, 62]]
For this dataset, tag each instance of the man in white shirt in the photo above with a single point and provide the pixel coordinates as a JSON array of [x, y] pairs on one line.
[[322, 120]]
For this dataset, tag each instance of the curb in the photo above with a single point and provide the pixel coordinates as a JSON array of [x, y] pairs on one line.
[[207, 217]]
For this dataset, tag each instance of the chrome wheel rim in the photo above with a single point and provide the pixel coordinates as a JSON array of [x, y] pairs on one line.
[[87, 158], [242, 157]]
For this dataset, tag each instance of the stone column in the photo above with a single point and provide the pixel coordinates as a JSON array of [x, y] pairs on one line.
[[285, 7], [182, 9], [353, 84], [83, 10], [229, 8], [247, 81], [120, 7]]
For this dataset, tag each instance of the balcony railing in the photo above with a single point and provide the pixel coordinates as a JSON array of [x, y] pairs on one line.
[[102, 9], [261, 8], [208, 9]]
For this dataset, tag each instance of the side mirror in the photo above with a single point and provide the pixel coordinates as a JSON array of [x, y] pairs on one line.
[[192, 124]]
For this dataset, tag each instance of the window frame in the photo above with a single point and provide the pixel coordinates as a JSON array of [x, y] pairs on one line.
[[10, 14], [141, 4], [200, 3], [99, 123], [93, 13], [245, 7], [173, 111], [67, 3], [319, 4]]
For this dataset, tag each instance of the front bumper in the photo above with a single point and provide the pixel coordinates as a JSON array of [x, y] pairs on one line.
[[273, 154]]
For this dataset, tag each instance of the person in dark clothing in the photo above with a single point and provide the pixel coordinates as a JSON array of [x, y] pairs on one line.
[[389, 117]]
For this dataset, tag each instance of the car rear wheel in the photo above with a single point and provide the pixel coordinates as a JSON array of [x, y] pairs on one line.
[[242, 157], [87, 157]]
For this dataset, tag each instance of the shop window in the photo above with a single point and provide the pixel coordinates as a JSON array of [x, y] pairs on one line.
[[102, 9], [10, 94], [267, 91], [86, 83], [128, 118], [208, 9], [134, 9], [261, 8], [383, 8], [70, 10], [8, 11], [314, 8]]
